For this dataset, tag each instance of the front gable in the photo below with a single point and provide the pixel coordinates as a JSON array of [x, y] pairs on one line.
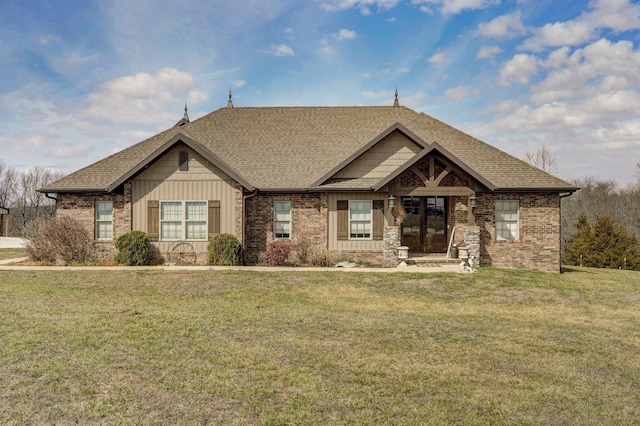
[[377, 159], [161, 152]]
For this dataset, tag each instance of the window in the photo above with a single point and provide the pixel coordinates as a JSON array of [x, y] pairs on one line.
[[507, 220], [183, 220], [282, 219], [360, 219], [104, 220]]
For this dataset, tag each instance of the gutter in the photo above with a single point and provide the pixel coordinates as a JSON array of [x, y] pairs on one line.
[[560, 223], [244, 215]]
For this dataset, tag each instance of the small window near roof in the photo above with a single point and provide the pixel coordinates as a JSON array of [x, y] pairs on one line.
[[183, 160]]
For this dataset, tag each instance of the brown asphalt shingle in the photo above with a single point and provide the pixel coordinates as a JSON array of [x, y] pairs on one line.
[[293, 147]]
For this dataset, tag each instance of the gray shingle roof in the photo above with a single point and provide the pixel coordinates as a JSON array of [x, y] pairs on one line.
[[293, 147]]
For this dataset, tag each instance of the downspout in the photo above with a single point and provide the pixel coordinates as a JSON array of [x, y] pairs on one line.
[[244, 216], [55, 201], [560, 226]]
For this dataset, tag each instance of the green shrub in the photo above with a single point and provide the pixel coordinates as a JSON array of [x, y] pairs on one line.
[[133, 249], [224, 250]]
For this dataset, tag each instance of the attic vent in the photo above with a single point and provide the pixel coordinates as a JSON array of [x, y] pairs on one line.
[[183, 160]]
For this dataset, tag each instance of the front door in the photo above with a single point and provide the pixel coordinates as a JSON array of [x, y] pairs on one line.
[[435, 225], [424, 229]]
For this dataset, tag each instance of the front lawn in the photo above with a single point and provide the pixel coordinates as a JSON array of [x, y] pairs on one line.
[[156, 347], [12, 253]]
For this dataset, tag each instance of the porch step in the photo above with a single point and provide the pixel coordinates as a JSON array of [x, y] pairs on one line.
[[431, 260]]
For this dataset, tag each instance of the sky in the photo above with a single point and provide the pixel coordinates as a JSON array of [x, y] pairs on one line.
[[82, 79]]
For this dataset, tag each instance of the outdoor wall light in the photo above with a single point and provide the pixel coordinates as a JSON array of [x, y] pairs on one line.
[[473, 201], [392, 202]]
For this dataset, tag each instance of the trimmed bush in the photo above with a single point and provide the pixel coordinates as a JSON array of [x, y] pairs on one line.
[[224, 250], [277, 253], [133, 249], [61, 240]]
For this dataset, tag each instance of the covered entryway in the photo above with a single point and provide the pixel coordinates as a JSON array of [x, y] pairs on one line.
[[424, 228]]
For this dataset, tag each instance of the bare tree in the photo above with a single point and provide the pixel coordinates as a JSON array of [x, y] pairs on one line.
[[29, 201], [8, 179], [542, 159]]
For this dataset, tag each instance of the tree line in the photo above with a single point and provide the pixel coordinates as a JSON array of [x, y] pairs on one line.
[[600, 222], [19, 193]]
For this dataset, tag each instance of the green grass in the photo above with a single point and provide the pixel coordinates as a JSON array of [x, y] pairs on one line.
[[154, 347], [12, 253]]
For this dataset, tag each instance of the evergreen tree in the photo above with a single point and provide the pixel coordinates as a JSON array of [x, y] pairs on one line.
[[602, 245]]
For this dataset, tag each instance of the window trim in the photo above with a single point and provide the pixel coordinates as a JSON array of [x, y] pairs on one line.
[[275, 219], [500, 238], [97, 221], [183, 220], [370, 237]]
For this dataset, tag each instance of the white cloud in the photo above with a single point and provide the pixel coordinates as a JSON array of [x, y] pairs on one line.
[[488, 52], [505, 26], [239, 83], [142, 98], [345, 34], [585, 104], [438, 59], [600, 67], [454, 6], [519, 69], [363, 5], [560, 34], [281, 50], [459, 93], [615, 15], [325, 47], [618, 15]]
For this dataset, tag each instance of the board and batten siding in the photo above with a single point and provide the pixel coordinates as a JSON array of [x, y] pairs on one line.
[[381, 160], [163, 181], [351, 245]]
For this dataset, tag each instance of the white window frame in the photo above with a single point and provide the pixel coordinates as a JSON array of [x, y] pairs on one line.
[[277, 220], [104, 220], [505, 217], [183, 220], [355, 221]]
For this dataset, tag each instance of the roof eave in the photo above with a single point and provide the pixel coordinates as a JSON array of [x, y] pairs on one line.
[[571, 189], [71, 190]]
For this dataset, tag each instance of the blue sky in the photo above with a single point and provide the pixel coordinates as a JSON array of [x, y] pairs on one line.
[[82, 79]]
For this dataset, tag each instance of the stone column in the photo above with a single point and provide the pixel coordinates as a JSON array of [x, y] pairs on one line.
[[471, 238], [391, 241]]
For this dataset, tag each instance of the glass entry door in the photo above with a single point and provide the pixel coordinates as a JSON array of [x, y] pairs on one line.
[[424, 229], [436, 225]]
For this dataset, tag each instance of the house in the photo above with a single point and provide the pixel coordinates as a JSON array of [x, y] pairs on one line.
[[354, 181]]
